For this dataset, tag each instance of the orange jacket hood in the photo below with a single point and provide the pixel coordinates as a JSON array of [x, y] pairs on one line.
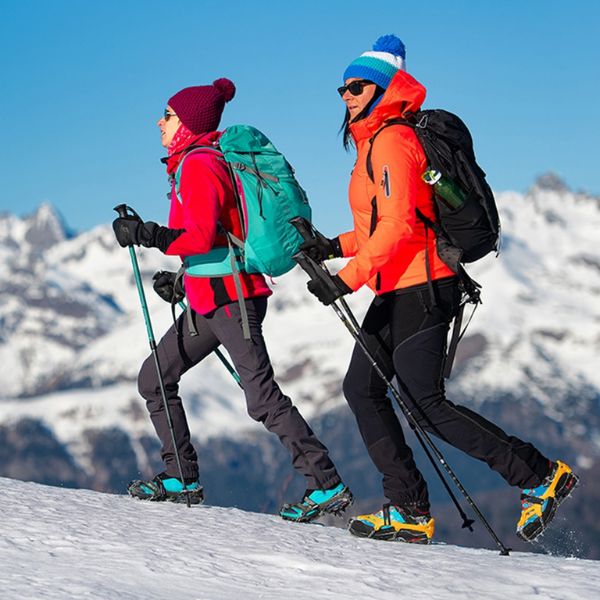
[[404, 95]]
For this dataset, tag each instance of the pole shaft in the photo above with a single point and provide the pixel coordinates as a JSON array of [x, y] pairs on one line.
[[417, 426], [466, 521], [140, 288], [229, 367], [141, 294], [220, 355]]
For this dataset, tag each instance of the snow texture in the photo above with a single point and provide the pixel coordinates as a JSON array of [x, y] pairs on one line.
[[61, 544]]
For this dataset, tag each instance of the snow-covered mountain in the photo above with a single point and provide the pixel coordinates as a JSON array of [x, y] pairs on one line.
[[72, 339], [70, 322], [57, 544], [72, 327]]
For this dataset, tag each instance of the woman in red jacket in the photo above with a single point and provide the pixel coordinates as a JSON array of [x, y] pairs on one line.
[[201, 203], [406, 326]]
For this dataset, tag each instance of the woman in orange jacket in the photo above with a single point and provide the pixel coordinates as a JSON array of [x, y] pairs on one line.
[[407, 323]]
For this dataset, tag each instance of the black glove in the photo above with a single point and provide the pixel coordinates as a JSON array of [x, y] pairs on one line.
[[132, 230], [164, 286], [328, 290], [321, 248]]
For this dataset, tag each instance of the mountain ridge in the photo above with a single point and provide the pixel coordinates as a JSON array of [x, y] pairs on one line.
[[72, 340], [77, 304]]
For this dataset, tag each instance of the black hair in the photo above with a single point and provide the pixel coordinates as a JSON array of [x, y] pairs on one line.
[[345, 128]]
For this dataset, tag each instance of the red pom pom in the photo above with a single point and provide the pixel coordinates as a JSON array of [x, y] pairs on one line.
[[226, 87]]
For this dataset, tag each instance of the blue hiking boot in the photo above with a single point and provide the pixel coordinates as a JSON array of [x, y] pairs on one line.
[[393, 523], [538, 505], [318, 502], [164, 487]]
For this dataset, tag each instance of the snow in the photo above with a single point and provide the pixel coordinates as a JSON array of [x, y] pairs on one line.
[[61, 544], [71, 412]]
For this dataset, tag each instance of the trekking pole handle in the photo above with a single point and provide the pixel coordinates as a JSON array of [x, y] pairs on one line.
[[316, 273], [303, 227], [126, 211], [312, 268], [308, 265]]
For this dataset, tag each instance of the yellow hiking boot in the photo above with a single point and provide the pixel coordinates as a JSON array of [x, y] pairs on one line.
[[539, 504], [394, 523]]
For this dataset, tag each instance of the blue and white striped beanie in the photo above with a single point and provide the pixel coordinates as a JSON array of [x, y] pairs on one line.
[[381, 64]]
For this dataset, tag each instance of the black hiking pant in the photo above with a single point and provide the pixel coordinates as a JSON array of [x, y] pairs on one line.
[[407, 334], [178, 351]]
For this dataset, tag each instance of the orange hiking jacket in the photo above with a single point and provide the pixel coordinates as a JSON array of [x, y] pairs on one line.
[[393, 257]]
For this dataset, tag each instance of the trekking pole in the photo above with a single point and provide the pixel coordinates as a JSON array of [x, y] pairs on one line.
[[122, 210], [229, 367], [467, 523], [305, 229], [315, 272], [220, 355]]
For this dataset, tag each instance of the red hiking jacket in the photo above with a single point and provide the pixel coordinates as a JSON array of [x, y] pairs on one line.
[[207, 196]]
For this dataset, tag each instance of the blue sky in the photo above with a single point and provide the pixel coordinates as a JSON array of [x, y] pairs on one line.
[[83, 84]]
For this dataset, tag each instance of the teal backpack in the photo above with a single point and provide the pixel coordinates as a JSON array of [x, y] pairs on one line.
[[268, 196]]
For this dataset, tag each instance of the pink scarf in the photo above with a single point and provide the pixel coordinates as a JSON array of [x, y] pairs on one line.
[[182, 139]]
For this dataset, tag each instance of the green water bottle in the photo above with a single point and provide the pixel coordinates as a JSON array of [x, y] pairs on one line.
[[445, 189]]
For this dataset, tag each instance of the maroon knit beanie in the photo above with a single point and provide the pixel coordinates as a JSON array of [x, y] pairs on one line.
[[199, 107]]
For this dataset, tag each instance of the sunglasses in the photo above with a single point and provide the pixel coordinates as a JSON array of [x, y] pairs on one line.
[[355, 87], [167, 115]]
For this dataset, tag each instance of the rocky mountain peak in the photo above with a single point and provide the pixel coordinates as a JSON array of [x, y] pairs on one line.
[[45, 227], [551, 182]]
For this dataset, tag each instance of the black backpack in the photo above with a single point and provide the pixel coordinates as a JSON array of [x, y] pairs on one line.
[[465, 234]]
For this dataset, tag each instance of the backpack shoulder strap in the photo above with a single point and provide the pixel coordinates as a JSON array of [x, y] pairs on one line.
[[215, 151], [369, 166], [372, 141], [232, 241]]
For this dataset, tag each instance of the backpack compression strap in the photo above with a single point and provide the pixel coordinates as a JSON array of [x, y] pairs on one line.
[[237, 281]]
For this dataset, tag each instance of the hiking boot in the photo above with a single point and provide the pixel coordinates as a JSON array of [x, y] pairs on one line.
[[394, 523], [164, 487], [539, 504], [318, 502]]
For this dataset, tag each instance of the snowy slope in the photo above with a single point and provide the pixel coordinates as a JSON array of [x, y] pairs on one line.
[[61, 544]]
